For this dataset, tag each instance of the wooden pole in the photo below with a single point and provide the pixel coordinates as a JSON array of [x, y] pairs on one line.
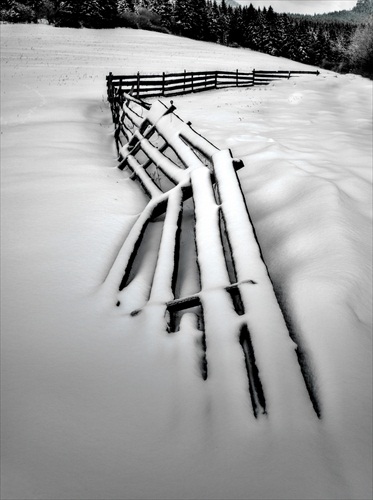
[[109, 85], [236, 77], [192, 82], [163, 83], [184, 80], [138, 85], [253, 76]]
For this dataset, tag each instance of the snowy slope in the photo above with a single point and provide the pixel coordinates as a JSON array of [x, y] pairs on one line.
[[100, 405]]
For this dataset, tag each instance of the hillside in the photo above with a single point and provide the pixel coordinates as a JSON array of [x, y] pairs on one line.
[[340, 41], [361, 13], [98, 404]]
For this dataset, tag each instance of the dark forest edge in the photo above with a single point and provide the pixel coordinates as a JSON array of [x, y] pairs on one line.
[[339, 41]]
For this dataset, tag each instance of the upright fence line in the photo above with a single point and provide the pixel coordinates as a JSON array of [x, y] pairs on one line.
[[169, 84]]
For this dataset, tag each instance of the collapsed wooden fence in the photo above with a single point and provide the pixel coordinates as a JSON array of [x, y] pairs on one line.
[[169, 84], [235, 306]]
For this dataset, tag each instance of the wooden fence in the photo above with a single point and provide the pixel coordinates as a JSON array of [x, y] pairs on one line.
[[169, 84], [193, 189]]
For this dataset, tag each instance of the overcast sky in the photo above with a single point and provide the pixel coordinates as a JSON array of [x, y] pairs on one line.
[[303, 6]]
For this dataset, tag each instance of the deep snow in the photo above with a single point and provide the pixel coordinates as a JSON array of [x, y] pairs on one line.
[[100, 405]]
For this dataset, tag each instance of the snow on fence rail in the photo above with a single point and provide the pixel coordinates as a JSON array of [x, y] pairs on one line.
[[169, 84], [193, 188]]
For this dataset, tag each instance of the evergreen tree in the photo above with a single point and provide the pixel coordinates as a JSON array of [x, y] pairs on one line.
[[17, 12], [69, 14], [365, 6], [190, 18], [212, 21], [360, 50], [125, 6], [99, 13], [223, 23], [164, 8]]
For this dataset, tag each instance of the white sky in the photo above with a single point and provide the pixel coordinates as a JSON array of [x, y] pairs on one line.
[[303, 6]]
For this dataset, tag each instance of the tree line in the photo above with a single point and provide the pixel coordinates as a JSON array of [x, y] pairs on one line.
[[337, 41]]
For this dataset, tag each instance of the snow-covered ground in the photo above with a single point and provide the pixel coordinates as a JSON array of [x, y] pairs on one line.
[[100, 405]]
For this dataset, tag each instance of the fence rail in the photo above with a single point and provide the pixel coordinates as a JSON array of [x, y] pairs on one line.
[[193, 190], [169, 84]]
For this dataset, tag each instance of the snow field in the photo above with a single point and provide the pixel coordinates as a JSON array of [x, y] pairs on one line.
[[98, 404]]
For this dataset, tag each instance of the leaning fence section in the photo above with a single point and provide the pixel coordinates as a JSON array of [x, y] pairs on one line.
[[193, 189], [169, 84]]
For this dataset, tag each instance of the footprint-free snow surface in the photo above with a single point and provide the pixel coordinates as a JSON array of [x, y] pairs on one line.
[[101, 404]]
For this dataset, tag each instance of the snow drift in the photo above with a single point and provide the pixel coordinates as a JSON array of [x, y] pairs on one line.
[[99, 404]]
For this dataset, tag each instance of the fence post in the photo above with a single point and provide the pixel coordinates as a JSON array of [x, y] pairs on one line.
[[289, 75], [236, 77], [138, 85], [192, 81], [253, 76], [109, 86], [184, 81], [216, 79], [163, 83]]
